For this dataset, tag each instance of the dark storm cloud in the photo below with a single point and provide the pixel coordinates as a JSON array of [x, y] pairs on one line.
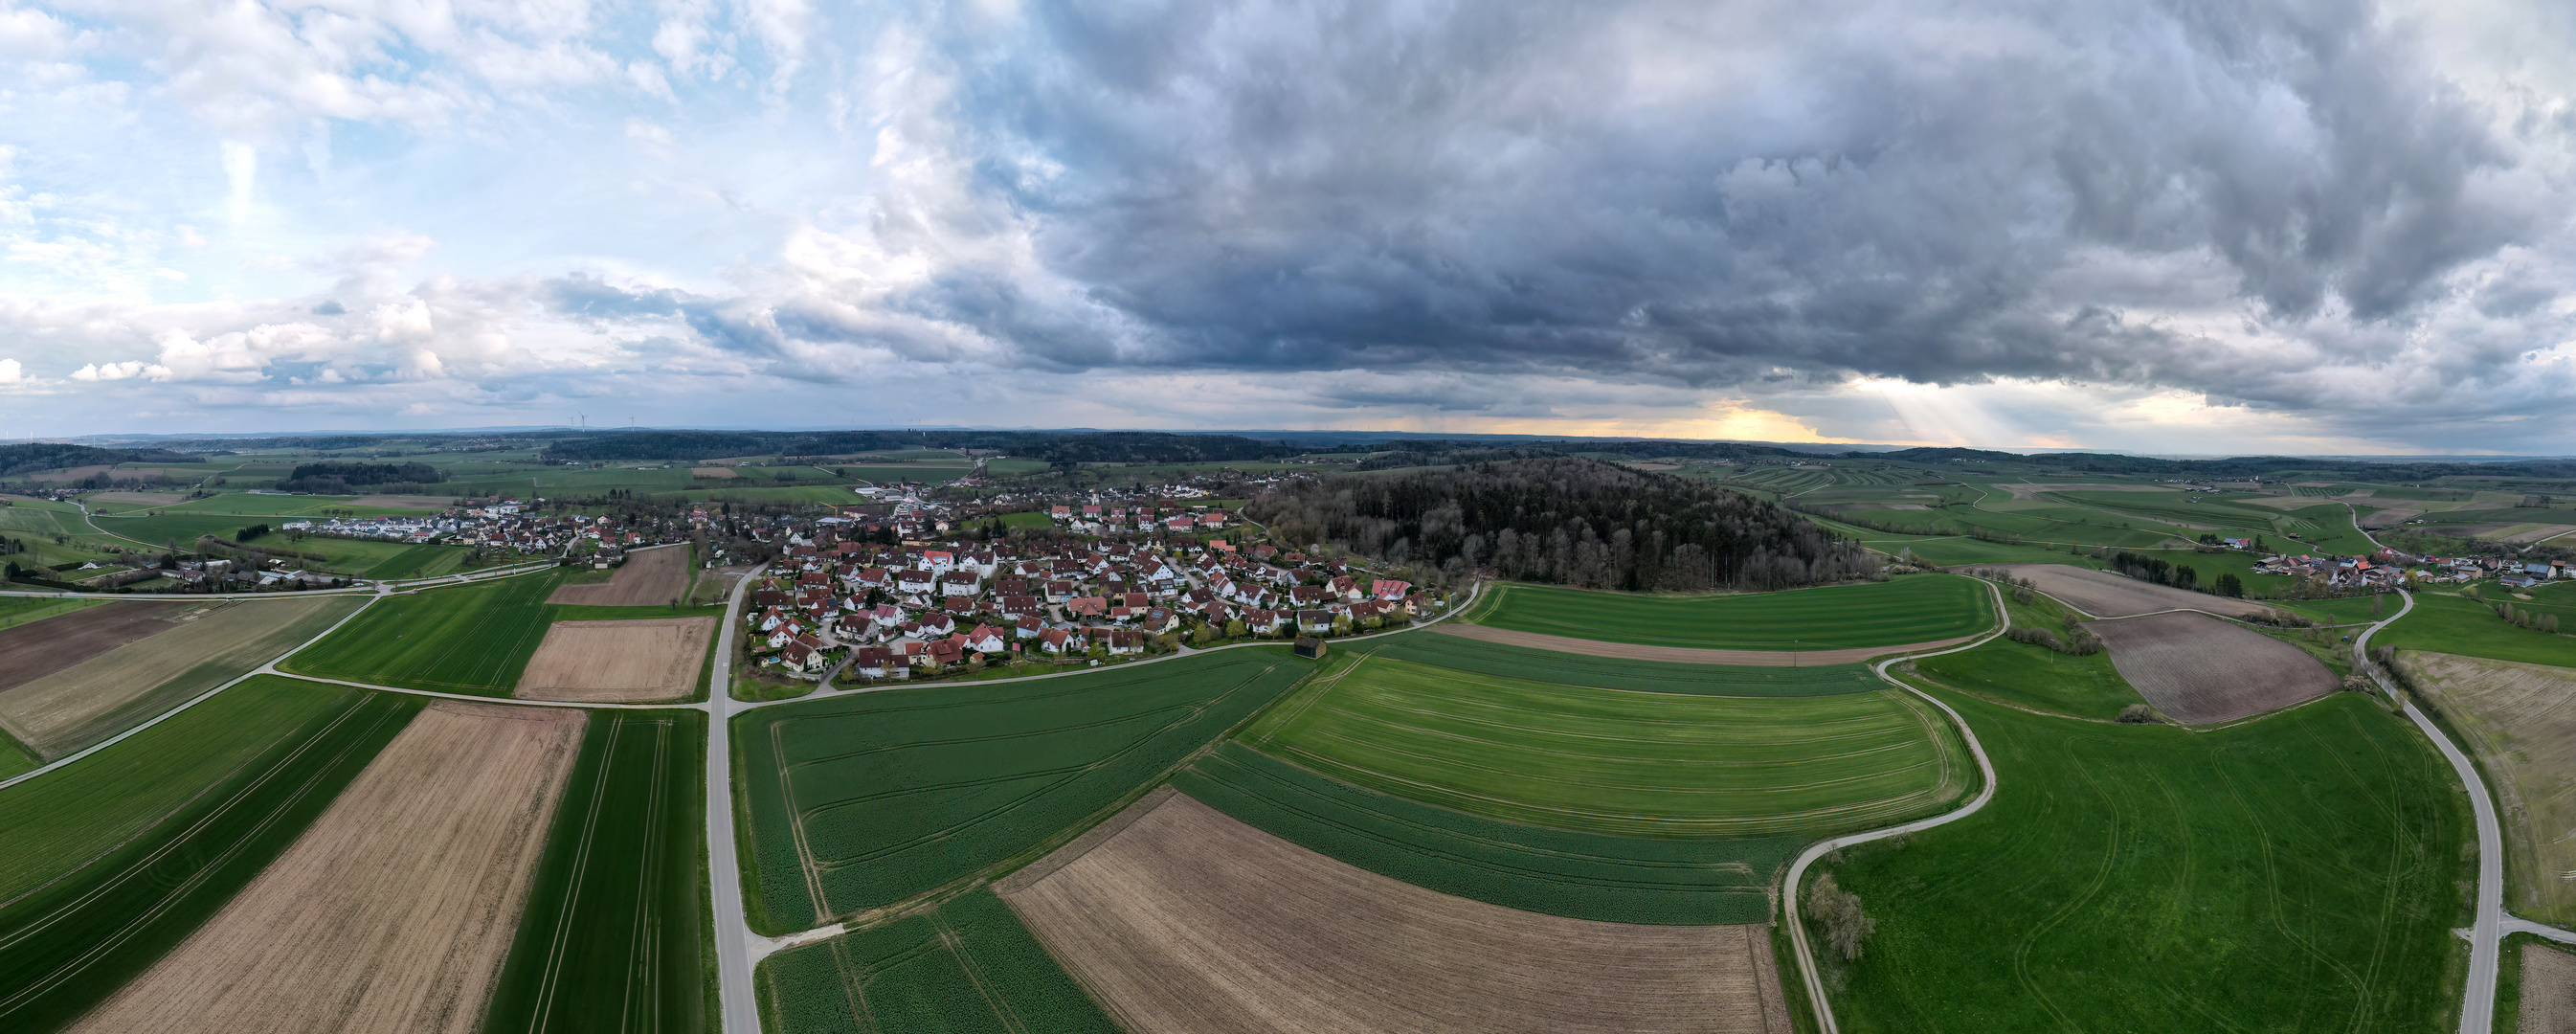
[[1715, 194]]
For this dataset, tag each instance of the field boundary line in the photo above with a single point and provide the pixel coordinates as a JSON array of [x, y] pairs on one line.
[[1805, 954], [269, 668]]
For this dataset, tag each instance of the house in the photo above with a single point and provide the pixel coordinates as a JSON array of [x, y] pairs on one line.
[[1087, 606], [1063, 640], [1028, 626], [961, 583], [1158, 621], [1123, 641], [935, 624], [915, 581], [804, 653], [1264, 621], [871, 662], [1387, 590], [1314, 622], [987, 639], [945, 652]]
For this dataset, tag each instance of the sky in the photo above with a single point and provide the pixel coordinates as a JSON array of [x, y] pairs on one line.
[[2188, 226]]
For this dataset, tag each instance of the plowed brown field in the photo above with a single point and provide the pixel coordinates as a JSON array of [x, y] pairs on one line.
[[393, 911], [1189, 922], [2198, 669], [1685, 654], [33, 651], [618, 662], [648, 577], [2103, 594], [714, 472], [2548, 991], [72, 708], [2521, 720]]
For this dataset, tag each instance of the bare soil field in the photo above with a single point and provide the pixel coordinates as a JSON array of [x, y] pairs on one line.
[[647, 577], [714, 472], [2198, 669], [2521, 718], [2103, 594], [2548, 991], [1187, 921], [618, 662], [32, 651], [2545, 531], [393, 911], [1685, 654], [64, 711]]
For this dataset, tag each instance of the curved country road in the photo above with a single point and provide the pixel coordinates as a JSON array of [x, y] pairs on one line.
[[1797, 870], [2477, 1000]]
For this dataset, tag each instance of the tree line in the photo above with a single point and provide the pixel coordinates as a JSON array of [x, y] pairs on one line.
[[1577, 522], [336, 478]]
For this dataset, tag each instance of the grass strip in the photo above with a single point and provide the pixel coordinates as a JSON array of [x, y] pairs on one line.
[[1912, 609]]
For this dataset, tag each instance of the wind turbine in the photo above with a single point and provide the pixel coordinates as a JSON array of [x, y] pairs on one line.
[[585, 420]]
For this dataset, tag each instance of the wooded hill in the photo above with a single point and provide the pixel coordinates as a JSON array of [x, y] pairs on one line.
[[1578, 522], [29, 457]]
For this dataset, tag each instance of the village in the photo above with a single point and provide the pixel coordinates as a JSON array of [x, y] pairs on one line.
[[878, 611]]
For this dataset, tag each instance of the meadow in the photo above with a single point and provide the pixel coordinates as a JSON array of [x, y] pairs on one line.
[[462, 639], [1903, 610], [853, 802], [245, 504], [1573, 669], [2450, 624], [2301, 872], [1617, 762], [970, 966], [1617, 879], [135, 847], [614, 933], [2026, 675]]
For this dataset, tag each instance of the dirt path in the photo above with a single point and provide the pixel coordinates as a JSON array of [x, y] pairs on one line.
[[1686, 654]]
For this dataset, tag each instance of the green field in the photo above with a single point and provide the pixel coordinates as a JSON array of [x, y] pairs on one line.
[[462, 639], [614, 936], [2031, 676], [242, 504], [1620, 762], [1904, 610], [2298, 873], [967, 967], [1030, 519], [124, 856], [361, 558], [857, 801], [2347, 610], [21, 610], [1574, 669], [2450, 624], [1617, 879]]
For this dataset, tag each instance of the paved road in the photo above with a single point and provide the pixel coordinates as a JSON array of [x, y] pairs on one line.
[[1798, 869], [2477, 1000], [735, 943]]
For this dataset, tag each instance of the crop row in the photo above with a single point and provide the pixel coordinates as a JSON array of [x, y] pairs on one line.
[[68, 944], [1620, 879], [1573, 669], [1605, 761], [611, 939], [1903, 610], [970, 966], [858, 801]]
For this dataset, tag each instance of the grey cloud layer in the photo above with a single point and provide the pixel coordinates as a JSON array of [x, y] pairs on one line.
[[2218, 197]]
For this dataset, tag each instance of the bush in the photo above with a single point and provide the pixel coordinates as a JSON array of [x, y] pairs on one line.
[[2035, 637], [2138, 714], [1838, 913]]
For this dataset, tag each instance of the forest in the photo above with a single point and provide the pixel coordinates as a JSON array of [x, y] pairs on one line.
[[1578, 522]]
